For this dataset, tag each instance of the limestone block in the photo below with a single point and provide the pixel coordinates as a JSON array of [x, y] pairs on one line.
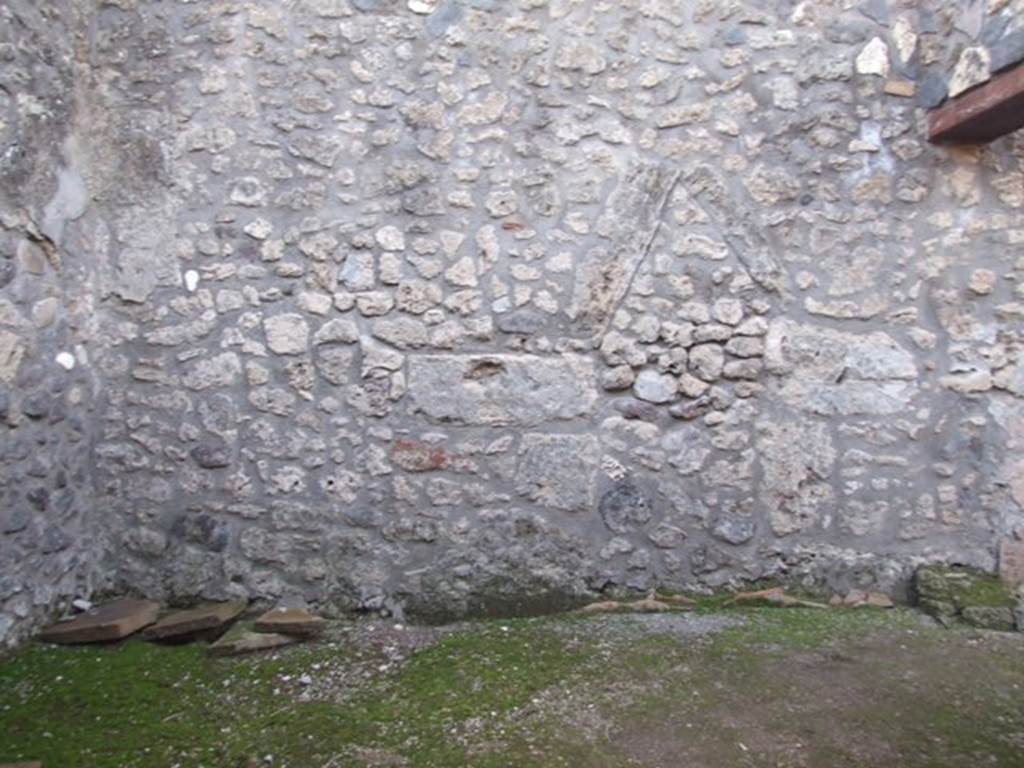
[[501, 390], [557, 471], [287, 334]]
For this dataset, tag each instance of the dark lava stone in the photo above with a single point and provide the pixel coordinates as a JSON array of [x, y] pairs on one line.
[[211, 455], [625, 508]]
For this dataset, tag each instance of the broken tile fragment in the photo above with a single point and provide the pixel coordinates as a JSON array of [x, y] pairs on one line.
[[902, 88], [112, 621]]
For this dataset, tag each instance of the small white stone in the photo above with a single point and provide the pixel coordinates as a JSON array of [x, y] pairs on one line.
[[655, 387], [424, 7], [971, 381], [315, 303], [972, 68], [191, 280], [982, 282], [874, 59], [287, 334], [390, 238], [728, 311], [905, 37], [66, 360], [258, 229], [462, 273]]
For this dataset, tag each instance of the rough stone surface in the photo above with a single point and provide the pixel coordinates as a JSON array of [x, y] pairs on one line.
[[348, 302]]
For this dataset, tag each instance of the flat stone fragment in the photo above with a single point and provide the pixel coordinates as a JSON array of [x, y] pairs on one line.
[[33, 764], [205, 618], [291, 621], [104, 624], [239, 641]]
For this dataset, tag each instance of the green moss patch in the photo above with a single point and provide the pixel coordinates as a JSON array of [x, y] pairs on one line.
[[953, 593]]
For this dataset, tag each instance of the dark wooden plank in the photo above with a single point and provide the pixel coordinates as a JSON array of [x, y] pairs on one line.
[[987, 112]]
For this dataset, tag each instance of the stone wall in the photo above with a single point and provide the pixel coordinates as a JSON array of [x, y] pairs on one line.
[[465, 306], [50, 531]]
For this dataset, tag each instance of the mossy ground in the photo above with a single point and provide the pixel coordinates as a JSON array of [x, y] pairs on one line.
[[749, 687]]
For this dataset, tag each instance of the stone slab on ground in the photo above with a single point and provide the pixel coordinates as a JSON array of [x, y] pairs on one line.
[[857, 598], [240, 640], [22, 765], [202, 619], [291, 621], [111, 621]]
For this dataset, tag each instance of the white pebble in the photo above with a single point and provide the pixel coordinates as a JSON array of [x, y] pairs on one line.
[[66, 360], [191, 280]]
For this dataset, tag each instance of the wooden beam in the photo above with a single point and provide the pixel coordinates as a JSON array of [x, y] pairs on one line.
[[982, 114]]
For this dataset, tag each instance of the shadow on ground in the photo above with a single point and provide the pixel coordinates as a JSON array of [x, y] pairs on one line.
[[778, 688]]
